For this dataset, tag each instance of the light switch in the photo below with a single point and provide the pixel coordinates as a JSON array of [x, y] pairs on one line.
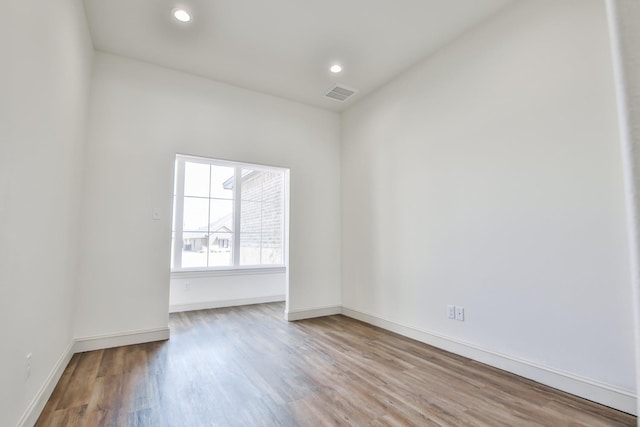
[[156, 214]]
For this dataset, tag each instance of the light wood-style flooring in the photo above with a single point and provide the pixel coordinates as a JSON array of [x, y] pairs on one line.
[[246, 366]]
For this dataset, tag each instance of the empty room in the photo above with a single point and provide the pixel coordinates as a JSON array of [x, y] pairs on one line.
[[310, 213]]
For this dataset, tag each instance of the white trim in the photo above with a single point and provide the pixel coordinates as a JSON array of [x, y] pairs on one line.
[[177, 308], [312, 312], [606, 394], [178, 213], [238, 271], [285, 252], [237, 211], [39, 401], [229, 163], [101, 342]]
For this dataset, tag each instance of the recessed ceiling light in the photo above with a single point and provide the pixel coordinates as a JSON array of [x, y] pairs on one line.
[[335, 68], [181, 15]]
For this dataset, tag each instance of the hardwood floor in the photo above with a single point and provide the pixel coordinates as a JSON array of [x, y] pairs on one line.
[[246, 366]]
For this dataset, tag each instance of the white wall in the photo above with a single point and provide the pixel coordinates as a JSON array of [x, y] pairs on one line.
[[141, 116], [489, 176], [44, 86], [200, 290]]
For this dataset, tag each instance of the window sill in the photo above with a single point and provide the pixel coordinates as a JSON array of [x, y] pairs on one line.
[[238, 271]]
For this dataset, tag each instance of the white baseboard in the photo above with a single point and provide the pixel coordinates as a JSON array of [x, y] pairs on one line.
[[292, 315], [605, 394], [176, 308], [36, 406], [116, 340]]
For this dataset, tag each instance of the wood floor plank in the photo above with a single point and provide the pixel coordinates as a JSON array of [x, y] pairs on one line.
[[79, 387], [246, 366]]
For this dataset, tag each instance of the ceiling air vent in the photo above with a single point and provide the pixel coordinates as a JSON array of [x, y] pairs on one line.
[[340, 93]]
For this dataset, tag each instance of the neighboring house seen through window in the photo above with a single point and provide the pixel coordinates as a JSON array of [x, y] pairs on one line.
[[218, 224]]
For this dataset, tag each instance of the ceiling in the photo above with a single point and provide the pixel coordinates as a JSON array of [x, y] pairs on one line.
[[285, 47]]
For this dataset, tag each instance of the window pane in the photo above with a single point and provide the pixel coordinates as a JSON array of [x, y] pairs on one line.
[[261, 217], [271, 249], [273, 187], [251, 185], [272, 233], [272, 218], [221, 216], [261, 185], [220, 250], [250, 248], [250, 217], [196, 179], [196, 214], [194, 249], [222, 180], [221, 227]]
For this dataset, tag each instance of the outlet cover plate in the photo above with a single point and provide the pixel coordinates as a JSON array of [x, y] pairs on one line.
[[451, 312]]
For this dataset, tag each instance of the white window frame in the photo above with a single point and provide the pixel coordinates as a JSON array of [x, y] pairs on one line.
[[178, 218]]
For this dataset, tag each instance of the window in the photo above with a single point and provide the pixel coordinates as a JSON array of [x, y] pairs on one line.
[[218, 224]]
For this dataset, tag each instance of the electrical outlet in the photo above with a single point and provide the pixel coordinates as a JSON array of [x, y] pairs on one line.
[[27, 366], [460, 314], [187, 287], [451, 312]]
